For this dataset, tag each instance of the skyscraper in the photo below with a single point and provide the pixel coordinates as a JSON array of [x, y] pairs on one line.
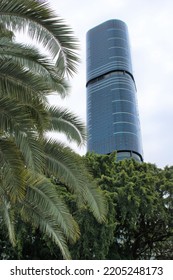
[[112, 111]]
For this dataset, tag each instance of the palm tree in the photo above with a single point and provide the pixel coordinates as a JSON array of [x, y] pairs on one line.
[[27, 158], [41, 24]]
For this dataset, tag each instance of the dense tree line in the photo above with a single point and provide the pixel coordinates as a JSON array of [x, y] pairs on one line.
[[142, 195], [139, 223]]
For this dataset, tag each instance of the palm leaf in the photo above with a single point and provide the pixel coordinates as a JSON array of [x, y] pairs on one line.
[[16, 123], [66, 122], [68, 168], [44, 209], [43, 25], [43, 195], [15, 79], [32, 150], [13, 116], [12, 169], [96, 201], [8, 217], [31, 59], [37, 219]]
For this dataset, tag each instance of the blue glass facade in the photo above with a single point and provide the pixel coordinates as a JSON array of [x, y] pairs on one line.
[[112, 111]]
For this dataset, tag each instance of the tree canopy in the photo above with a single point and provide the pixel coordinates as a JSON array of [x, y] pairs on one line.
[[139, 221], [142, 195]]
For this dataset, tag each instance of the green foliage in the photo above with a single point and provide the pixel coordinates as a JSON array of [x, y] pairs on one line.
[[96, 238], [27, 157], [42, 24], [139, 220], [142, 195]]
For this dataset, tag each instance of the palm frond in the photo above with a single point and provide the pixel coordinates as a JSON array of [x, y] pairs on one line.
[[14, 78], [96, 201], [36, 219], [62, 120], [30, 58], [8, 217], [5, 33], [45, 210], [68, 168], [44, 26], [13, 115], [17, 124], [31, 150], [27, 56], [12, 169], [25, 114], [43, 195], [55, 234], [61, 162]]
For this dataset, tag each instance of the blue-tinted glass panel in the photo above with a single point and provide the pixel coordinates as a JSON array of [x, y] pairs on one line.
[[112, 113]]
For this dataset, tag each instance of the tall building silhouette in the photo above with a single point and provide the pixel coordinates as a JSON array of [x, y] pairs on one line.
[[112, 111]]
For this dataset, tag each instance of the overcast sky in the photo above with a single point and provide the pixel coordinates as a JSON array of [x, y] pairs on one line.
[[150, 24]]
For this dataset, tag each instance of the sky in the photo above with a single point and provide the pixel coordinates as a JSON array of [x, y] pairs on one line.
[[150, 25]]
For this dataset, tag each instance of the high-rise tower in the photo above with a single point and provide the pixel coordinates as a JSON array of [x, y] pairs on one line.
[[112, 111]]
